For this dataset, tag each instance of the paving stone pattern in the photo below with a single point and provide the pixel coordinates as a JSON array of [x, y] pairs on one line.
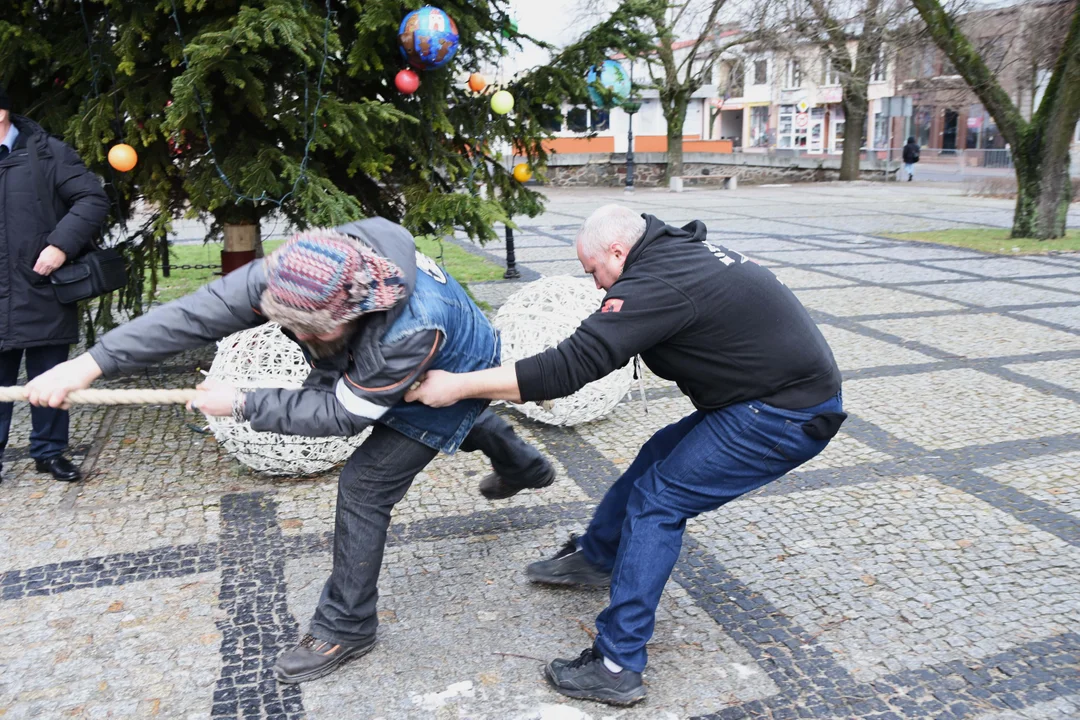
[[926, 565]]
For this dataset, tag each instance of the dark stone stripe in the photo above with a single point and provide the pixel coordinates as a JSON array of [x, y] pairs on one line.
[[258, 625], [107, 570]]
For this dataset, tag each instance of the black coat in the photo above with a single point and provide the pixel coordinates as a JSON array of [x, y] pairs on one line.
[[911, 153], [29, 313]]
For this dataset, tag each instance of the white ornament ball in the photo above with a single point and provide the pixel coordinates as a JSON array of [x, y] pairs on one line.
[[540, 316], [264, 358]]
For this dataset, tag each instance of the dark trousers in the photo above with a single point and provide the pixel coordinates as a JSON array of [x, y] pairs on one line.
[[698, 464], [374, 479], [49, 426]]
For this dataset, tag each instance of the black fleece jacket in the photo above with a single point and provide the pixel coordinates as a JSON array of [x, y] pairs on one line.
[[721, 326]]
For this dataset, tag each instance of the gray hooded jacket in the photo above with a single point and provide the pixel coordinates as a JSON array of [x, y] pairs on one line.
[[326, 405]]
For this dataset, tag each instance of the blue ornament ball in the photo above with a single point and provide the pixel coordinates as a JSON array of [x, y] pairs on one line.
[[610, 75], [428, 37]]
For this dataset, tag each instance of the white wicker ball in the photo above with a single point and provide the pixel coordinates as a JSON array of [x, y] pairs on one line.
[[261, 358], [540, 316]]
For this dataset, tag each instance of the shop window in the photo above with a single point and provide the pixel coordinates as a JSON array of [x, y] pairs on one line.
[[920, 124], [881, 131], [759, 126]]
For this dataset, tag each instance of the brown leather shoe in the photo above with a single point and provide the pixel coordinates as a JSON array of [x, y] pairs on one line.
[[312, 658], [495, 487]]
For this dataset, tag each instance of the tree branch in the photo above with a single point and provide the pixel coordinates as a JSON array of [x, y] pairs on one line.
[[967, 61]]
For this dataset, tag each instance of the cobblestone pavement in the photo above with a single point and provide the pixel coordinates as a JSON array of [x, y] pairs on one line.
[[925, 566]]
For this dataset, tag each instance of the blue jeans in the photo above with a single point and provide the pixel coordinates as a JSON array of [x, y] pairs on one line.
[[695, 465], [49, 426]]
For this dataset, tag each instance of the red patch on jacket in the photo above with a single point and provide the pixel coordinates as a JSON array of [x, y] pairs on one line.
[[612, 305]]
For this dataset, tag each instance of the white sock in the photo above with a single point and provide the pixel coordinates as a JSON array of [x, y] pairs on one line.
[[612, 666]]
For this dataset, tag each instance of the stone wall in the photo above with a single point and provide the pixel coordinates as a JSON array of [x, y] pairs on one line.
[[609, 170]]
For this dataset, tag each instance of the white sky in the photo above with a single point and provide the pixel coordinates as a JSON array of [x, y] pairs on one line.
[[548, 20]]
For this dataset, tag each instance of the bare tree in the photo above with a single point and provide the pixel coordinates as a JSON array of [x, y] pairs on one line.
[[1040, 146], [679, 43], [840, 27]]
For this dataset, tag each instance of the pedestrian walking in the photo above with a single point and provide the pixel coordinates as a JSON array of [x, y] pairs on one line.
[[911, 156]]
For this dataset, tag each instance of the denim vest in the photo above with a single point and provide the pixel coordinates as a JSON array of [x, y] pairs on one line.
[[471, 343]]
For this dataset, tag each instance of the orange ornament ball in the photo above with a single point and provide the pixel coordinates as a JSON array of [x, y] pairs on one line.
[[477, 82], [522, 173], [122, 157]]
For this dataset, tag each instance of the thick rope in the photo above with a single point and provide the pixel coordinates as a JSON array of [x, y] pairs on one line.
[[109, 397]]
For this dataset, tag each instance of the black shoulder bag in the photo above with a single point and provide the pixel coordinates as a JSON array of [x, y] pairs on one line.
[[94, 273]]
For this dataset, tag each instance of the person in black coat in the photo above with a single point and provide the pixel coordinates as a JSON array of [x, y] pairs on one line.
[[911, 156], [32, 322]]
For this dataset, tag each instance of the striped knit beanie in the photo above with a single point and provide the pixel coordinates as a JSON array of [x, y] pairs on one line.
[[321, 279]]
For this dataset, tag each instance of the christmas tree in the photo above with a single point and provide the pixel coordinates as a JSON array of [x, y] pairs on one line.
[[242, 109]]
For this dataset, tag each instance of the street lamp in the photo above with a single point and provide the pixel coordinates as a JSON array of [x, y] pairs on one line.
[[630, 107]]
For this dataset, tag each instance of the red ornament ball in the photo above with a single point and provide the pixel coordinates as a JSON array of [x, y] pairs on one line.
[[407, 81]]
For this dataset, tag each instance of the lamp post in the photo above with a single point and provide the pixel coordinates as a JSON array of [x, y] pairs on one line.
[[630, 107], [512, 273]]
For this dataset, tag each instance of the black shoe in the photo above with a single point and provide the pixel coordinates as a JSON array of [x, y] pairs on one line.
[[60, 467], [568, 567], [587, 677], [312, 658], [496, 487]]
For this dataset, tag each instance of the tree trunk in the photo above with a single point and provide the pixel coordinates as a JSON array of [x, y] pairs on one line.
[[854, 128], [1055, 192], [1043, 191], [241, 246], [674, 153]]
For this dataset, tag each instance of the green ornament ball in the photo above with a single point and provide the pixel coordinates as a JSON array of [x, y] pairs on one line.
[[502, 102]]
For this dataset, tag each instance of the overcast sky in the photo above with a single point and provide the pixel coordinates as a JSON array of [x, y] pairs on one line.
[[548, 20]]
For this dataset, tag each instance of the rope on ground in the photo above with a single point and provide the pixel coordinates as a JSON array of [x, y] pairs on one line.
[[17, 393]]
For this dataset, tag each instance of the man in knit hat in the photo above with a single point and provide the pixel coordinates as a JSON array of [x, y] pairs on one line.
[[372, 315]]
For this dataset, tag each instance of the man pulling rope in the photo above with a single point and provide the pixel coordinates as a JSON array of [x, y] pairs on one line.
[[371, 315]]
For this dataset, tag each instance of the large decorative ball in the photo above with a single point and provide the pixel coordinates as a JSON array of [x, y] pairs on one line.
[[263, 358], [122, 157], [428, 37], [611, 76], [540, 316], [502, 102]]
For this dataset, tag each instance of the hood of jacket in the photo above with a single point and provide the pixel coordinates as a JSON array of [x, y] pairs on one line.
[[655, 229]]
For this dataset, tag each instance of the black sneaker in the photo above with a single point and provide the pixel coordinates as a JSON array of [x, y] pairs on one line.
[[496, 487], [312, 658], [587, 677], [568, 567]]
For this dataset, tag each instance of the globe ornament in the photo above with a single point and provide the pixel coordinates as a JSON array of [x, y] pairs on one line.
[[264, 358], [122, 157], [428, 37], [522, 173], [611, 76], [540, 316], [502, 102]]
